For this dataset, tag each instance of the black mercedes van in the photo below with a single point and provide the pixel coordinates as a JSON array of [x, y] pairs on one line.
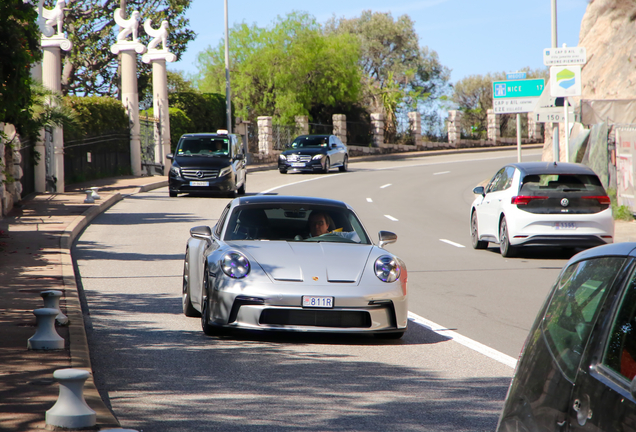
[[208, 162]]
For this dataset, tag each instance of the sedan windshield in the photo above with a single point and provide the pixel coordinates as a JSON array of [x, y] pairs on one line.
[[296, 223], [311, 141], [208, 146]]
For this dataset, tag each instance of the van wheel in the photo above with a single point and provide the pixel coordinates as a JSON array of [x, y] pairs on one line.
[[172, 194]]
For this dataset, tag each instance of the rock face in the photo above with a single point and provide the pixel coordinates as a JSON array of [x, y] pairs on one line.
[[608, 33]]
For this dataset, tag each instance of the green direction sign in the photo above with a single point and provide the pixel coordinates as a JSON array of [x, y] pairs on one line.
[[517, 88]]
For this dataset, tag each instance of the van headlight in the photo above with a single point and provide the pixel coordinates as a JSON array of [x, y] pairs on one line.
[[175, 171], [282, 157], [235, 265], [225, 171], [387, 269]]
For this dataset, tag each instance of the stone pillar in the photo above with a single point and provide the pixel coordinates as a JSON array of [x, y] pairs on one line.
[[158, 59], [454, 127], [302, 123], [415, 126], [534, 128], [265, 139], [494, 129], [340, 127], [129, 93], [377, 123], [52, 79]]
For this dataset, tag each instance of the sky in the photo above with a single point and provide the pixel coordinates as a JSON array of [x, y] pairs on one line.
[[470, 36]]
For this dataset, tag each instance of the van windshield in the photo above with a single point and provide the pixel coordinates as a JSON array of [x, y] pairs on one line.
[[204, 146]]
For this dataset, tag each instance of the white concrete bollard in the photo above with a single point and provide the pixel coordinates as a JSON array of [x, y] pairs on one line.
[[52, 300], [45, 337], [71, 410], [89, 196], [95, 195]]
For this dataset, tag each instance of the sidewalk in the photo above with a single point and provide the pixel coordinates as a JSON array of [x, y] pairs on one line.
[[35, 243]]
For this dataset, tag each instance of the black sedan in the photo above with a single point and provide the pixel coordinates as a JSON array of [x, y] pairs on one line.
[[577, 368], [314, 153]]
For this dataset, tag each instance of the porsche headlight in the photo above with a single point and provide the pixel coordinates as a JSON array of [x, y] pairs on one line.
[[225, 171], [282, 157], [175, 171], [318, 156], [387, 269], [235, 265]]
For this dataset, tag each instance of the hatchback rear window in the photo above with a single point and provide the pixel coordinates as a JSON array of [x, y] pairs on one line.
[[536, 184]]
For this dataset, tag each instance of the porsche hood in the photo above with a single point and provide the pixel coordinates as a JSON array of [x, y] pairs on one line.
[[297, 261]]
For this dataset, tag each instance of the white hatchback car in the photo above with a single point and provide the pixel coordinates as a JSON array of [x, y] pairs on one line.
[[541, 204]]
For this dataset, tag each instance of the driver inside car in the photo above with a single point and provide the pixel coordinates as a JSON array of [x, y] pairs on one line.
[[320, 223]]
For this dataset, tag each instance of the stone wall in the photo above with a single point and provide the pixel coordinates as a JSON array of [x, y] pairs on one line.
[[10, 170]]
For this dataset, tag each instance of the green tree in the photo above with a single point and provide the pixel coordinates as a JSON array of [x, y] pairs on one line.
[[398, 74], [90, 68], [19, 50], [286, 70], [473, 97]]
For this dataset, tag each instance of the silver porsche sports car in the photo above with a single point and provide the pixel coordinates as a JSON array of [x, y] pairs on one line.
[[293, 263]]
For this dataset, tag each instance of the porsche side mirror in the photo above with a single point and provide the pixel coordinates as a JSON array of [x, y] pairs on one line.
[[479, 190], [386, 237], [170, 156], [201, 232]]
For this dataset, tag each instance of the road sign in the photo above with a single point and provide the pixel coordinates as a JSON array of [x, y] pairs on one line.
[[517, 89], [514, 105], [565, 81], [515, 75], [564, 56], [552, 115]]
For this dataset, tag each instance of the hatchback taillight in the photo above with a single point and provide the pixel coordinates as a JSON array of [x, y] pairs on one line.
[[524, 200], [602, 199]]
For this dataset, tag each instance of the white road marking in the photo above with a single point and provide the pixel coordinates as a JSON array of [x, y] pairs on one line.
[[463, 340], [369, 200], [443, 172], [452, 243], [385, 186], [390, 218]]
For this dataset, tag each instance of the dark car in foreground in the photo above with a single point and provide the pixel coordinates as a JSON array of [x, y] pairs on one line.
[[314, 153], [576, 370], [208, 162]]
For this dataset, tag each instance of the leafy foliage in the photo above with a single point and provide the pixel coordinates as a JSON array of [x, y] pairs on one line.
[[286, 70], [205, 110], [90, 68], [621, 212], [398, 74], [180, 124], [95, 115], [19, 50]]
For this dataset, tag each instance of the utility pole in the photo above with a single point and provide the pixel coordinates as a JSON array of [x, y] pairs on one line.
[[555, 126], [228, 101]]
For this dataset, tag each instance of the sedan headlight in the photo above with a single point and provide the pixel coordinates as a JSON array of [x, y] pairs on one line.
[[175, 171], [387, 269], [282, 157], [225, 171], [318, 156], [235, 265]]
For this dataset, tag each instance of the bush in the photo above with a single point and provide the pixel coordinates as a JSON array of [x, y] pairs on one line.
[[205, 110], [622, 212], [180, 124], [95, 116]]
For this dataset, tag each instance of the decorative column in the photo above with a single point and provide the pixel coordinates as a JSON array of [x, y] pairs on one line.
[[377, 123], [158, 59], [415, 126], [534, 128], [454, 127], [52, 42], [302, 123], [265, 139], [129, 94], [494, 130], [340, 127]]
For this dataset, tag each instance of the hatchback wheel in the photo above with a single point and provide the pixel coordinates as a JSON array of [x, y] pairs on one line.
[[474, 233], [504, 240]]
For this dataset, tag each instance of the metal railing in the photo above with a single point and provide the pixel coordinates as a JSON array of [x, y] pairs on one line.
[[96, 157]]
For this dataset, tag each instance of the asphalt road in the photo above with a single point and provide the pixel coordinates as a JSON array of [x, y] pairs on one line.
[[161, 373]]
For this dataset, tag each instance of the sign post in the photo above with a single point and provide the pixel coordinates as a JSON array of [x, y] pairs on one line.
[[515, 97]]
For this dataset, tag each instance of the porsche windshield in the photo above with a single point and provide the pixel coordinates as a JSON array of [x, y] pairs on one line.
[[311, 141], [204, 146], [300, 223]]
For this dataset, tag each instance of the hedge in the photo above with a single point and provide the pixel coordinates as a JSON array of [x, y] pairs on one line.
[[95, 116]]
